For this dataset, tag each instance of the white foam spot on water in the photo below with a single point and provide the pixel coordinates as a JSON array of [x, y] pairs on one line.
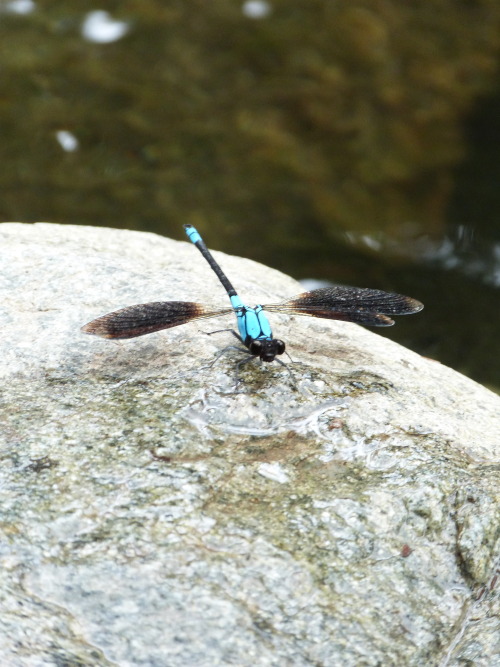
[[256, 9], [20, 7], [100, 27], [67, 140]]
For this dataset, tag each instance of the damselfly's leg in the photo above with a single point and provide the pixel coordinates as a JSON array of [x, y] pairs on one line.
[[229, 347], [282, 363], [232, 331], [243, 361], [223, 351]]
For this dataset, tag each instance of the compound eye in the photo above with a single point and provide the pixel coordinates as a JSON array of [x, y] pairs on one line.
[[280, 346], [255, 348]]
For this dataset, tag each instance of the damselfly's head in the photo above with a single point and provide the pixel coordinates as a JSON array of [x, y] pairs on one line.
[[267, 350]]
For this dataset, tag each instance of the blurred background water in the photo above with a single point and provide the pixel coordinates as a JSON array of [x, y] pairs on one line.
[[351, 141]]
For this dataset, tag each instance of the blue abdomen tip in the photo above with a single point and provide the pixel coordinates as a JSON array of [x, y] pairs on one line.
[[192, 233]]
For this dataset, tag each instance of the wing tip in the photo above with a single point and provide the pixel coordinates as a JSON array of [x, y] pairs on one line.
[[413, 306], [96, 328], [383, 321]]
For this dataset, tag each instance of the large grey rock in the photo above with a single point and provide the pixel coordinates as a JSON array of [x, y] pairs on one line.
[[157, 511]]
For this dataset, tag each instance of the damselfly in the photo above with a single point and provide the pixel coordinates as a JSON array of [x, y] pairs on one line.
[[351, 304]]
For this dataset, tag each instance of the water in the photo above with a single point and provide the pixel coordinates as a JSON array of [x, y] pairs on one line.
[[283, 137]]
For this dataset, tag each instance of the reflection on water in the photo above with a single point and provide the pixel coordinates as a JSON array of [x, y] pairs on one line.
[[464, 251], [482, 264], [325, 139]]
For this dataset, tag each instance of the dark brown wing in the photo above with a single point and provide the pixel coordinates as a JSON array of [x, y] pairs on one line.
[[145, 318], [350, 304]]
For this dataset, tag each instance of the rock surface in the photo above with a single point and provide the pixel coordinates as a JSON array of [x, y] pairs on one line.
[[156, 510]]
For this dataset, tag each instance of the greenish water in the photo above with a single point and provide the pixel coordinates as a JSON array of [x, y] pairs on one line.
[[338, 141]]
